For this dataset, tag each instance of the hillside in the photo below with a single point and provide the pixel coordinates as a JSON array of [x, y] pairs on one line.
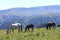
[[35, 15], [38, 34]]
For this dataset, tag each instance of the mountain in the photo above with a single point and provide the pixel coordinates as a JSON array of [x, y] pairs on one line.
[[35, 15]]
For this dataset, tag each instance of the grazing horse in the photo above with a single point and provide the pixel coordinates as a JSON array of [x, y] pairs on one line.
[[58, 25], [28, 27], [14, 26], [50, 24]]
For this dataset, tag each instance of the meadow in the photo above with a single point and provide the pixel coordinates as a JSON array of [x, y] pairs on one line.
[[38, 34]]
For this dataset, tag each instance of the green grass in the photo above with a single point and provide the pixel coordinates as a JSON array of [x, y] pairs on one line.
[[38, 34]]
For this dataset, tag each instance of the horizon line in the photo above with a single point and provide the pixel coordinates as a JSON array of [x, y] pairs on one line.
[[28, 7]]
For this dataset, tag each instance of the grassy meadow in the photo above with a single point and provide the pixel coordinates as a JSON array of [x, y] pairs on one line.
[[38, 34]]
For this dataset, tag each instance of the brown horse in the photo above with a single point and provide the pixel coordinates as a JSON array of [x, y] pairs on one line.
[[50, 24], [28, 27]]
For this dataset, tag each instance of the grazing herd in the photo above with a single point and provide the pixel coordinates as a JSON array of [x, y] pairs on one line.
[[18, 26]]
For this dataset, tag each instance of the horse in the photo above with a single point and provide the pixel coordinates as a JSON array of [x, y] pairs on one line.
[[50, 24], [28, 27], [14, 26], [58, 25]]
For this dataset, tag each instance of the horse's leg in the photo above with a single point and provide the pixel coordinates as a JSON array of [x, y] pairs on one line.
[[28, 29], [12, 30], [54, 26], [47, 27], [25, 29], [7, 31], [32, 29], [21, 29], [18, 29]]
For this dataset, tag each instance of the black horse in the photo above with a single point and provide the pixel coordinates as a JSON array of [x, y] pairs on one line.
[[28, 27], [14, 26], [50, 24], [58, 25]]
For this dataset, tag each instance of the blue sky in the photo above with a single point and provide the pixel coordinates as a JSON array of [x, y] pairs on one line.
[[6, 4]]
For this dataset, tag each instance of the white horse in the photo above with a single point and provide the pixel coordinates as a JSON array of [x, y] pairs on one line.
[[14, 26]]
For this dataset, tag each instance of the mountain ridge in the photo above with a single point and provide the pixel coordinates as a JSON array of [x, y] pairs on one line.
[[35, 15]]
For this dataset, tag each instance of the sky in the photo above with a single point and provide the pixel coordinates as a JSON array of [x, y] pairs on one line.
[[6, 4]]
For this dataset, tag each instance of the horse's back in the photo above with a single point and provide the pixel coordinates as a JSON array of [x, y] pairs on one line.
[[30, 26]]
